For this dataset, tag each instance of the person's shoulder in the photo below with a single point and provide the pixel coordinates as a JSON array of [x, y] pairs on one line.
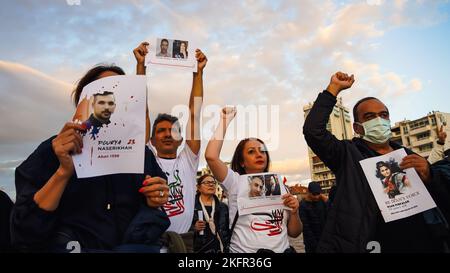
[[149, 152], [41, 159], [5, 199], [187, 152], [303, 203], [45, 147]]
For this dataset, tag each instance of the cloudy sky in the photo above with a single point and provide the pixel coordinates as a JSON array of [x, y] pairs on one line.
[[261, 53]]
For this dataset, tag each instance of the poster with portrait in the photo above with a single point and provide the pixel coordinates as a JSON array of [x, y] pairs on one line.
[[399, 193], [113, 111], [259, 192], [176, 53]]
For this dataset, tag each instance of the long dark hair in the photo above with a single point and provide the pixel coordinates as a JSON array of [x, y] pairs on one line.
[[238, 156], [91, 76]]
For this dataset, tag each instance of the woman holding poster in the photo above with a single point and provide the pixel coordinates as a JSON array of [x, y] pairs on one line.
[[55, 211], [265, 230]]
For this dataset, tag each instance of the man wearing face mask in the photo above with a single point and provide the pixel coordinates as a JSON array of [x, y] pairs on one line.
[[355, 219]]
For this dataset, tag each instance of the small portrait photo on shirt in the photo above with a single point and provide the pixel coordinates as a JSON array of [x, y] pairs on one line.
[[272, 185], [256, 186]]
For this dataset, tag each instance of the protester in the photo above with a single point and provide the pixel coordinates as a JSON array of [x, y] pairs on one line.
[[54, 208], [212, 231], [313, 214], [181, 168], [439, 152], [251, 156], [355, 219]]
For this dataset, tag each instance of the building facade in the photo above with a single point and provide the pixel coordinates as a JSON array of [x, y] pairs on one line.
[[420, 135], [340, 125]]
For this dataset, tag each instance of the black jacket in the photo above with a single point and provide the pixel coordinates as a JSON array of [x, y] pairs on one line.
[[95, 211], [354, 218], [313, 215], [441, 172], [208, 242], [5, 211]]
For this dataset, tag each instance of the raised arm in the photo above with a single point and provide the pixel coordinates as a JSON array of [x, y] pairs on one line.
[[212, 153], [319, 139], [139, 53], [438, 151], [195, 104]]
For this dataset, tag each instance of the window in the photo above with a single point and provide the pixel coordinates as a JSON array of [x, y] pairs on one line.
[[433, 120], [419, 124], [426, 147], [423, 135], [316, 160]]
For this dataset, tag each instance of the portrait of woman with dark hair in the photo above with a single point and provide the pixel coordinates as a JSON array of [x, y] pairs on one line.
[[180, 49], [393, 179]]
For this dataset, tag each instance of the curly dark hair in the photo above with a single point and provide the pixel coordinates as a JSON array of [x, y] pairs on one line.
[[392, 165]]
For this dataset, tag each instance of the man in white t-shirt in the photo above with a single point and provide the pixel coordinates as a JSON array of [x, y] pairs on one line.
[[181, 169]]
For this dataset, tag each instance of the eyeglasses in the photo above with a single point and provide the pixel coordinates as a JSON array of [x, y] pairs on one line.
[[209, 182]]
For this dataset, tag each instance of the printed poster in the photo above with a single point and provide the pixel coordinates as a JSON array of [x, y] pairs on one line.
[[113, 110], [399, 193]]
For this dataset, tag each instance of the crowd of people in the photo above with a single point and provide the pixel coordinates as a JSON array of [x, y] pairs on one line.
[[167, 209]]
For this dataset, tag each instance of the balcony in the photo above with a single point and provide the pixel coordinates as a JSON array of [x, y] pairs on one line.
[[320, 170], [420, 130], [423, 154], [396, 134], [421, 142]]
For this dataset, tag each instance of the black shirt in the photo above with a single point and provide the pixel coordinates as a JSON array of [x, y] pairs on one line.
[[5, 210], [95, 211]]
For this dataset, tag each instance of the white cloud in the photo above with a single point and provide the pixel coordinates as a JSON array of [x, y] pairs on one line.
[[36, 104], [291, 166], [260, 52]]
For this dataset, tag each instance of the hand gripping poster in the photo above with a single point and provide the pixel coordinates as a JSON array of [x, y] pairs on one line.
[[260, 192], [112, 110], [398, 193]]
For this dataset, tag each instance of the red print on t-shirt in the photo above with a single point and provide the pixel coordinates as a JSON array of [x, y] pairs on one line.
[[272, 225]]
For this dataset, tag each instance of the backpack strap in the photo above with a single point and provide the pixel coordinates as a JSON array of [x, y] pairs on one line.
[[234, 222]]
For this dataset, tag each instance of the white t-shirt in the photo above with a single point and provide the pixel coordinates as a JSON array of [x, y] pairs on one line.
[[182, 180], [266, 229]]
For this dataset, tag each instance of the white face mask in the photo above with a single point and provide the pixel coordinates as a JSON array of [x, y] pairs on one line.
[[377, 130]]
